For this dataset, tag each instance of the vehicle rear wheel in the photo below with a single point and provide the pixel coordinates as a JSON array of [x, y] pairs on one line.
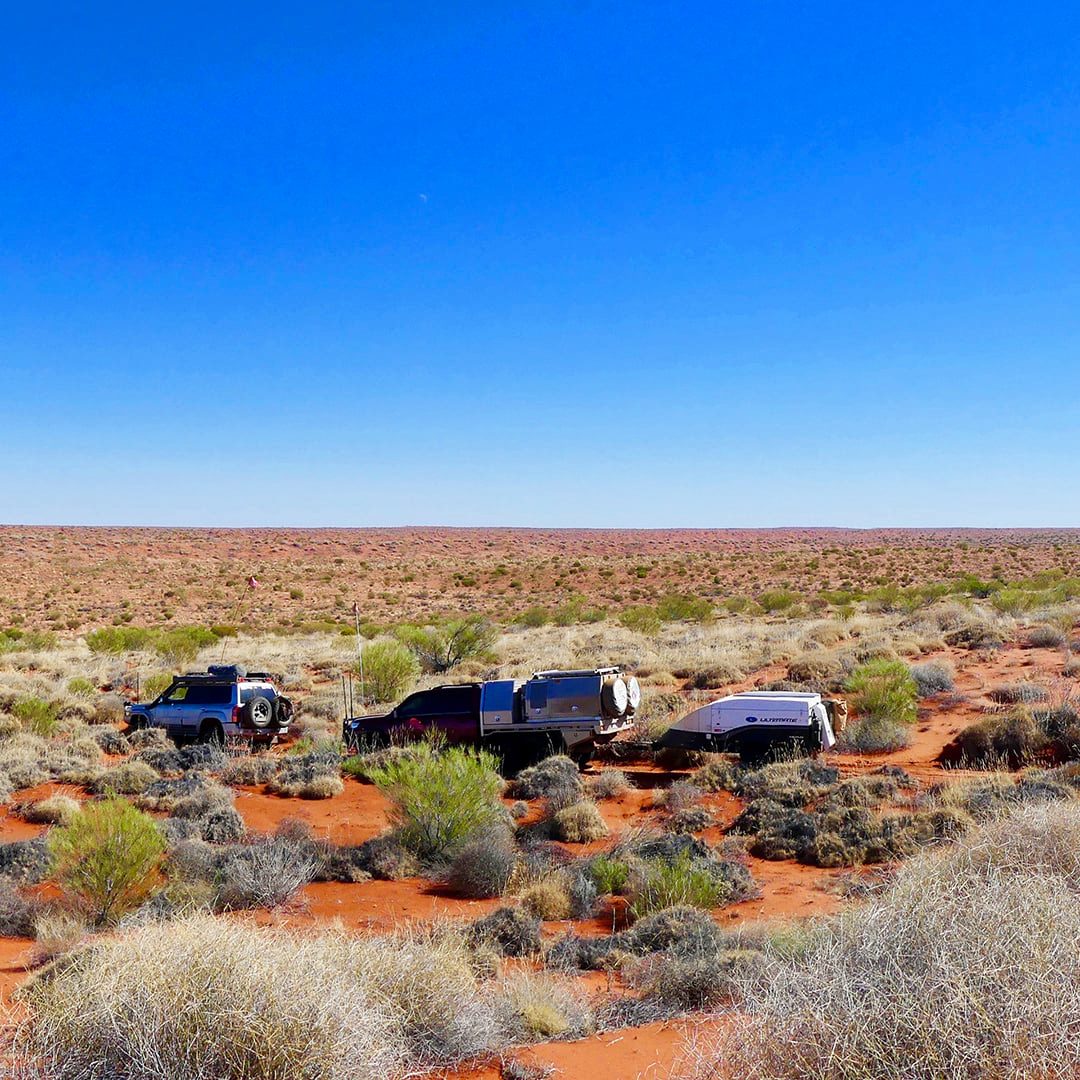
[[212, 733]]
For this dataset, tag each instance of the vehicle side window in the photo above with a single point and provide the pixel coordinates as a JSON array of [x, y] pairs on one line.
[[414, 705], [219, 694], [177, 693]]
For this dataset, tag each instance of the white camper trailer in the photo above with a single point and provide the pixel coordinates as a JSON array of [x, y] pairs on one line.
[[757, 722]]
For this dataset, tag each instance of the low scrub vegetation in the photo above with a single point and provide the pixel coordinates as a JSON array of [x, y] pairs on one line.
[[272, 1005], [914, 976]]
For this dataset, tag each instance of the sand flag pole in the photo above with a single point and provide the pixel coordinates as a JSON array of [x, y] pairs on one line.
[[252, 583], [359, 649]]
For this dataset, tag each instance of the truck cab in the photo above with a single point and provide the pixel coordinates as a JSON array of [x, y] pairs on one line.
[[452, 709]]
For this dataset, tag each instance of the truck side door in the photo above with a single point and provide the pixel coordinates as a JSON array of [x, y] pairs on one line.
[[452, 710]]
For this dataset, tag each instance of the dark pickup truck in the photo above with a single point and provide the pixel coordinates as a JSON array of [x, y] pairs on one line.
[[554, 711]]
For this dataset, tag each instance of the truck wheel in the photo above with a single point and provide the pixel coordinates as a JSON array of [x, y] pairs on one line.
[[283, 711], [633, 696], [614, 698], [259, 711], [212, 733]]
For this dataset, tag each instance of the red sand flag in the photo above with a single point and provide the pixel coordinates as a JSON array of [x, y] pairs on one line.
[[253, 582]]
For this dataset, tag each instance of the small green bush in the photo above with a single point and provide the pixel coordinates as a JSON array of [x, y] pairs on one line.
[[610, 875], [390, 670], [884, 690], [153, 686], [108, 857], [777, 600], [81, 687], [675, 608], [441, 800], [118, 639], [679, 883], [533, 617], [36, 715], [642, 619], [182, 644]]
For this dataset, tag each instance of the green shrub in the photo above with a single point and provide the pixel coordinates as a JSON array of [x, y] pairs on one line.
[[775, 600], [81, 687], [390, 670], [679, 883], [153, 686], [108, 857], [441, 800], [118, 639], [675, 608], [533, 617], [36, 715], [182, 644], [884, 690], [610, 875], [641, 619], [440, 648]]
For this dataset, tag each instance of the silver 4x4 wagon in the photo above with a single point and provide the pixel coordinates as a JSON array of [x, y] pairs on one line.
[[223, 702]]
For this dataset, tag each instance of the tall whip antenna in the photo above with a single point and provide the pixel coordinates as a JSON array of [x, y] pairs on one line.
[[359, 649]]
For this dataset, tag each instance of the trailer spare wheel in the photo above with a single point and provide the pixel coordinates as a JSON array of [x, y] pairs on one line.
[[633, 696], [614, 698]]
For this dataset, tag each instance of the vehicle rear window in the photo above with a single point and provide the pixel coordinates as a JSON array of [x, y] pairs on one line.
[[248, 692]]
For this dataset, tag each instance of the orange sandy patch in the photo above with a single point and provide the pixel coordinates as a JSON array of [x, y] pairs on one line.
[[644, 1053], [356, 815]]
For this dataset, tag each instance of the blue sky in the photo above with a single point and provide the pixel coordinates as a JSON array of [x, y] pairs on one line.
[[359, 264]]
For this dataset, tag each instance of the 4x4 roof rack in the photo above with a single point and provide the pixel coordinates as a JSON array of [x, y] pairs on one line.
[[222, 676]]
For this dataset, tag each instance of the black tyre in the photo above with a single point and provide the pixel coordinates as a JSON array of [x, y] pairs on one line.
[[212, 733], [283, 711], [258, 712]]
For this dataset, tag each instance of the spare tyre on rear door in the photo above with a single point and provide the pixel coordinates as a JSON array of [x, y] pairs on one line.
[[258, 712]]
